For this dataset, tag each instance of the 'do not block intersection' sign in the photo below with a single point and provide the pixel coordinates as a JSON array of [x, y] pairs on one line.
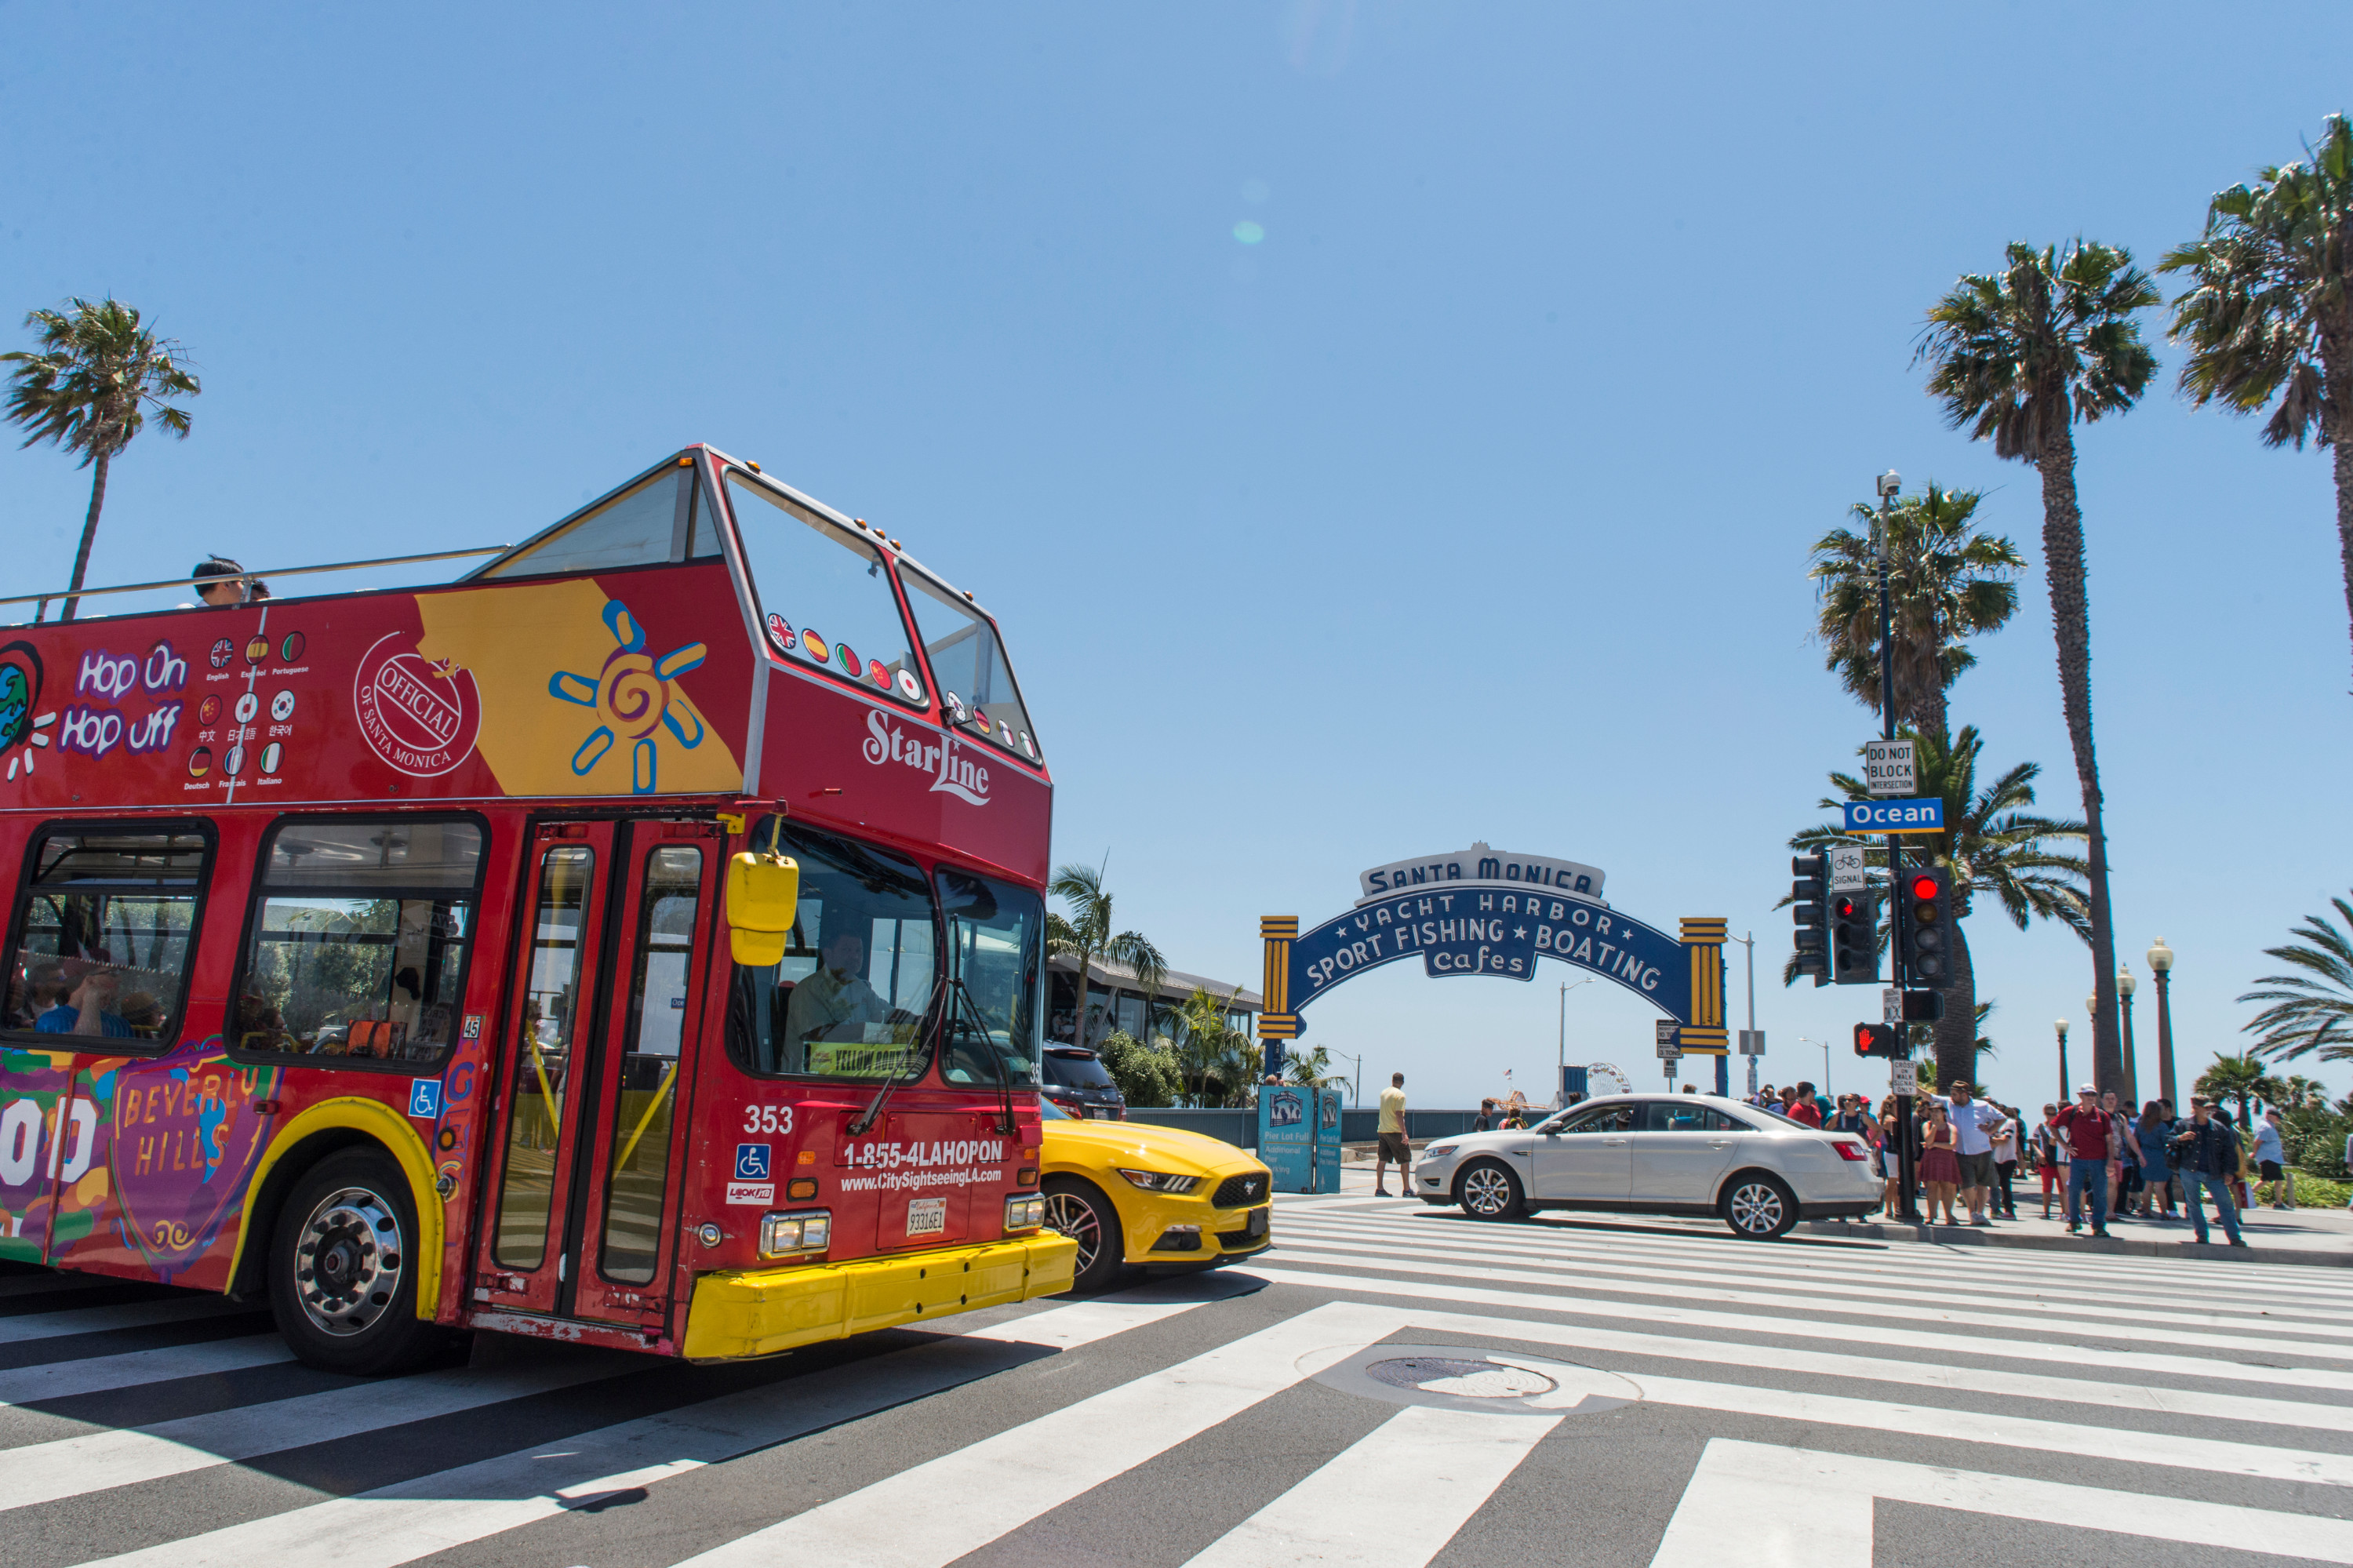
[[1479, 912]]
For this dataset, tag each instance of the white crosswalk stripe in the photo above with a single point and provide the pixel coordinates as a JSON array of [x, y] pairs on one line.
[[2145, 1399]]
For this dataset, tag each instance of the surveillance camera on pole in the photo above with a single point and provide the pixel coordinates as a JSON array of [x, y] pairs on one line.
[[1890, 484]]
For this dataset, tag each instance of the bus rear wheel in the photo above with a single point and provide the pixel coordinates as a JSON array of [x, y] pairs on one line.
[[343, 1279]]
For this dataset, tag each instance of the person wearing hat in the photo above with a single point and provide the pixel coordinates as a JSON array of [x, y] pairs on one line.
[[2088, 1132], [1974, 1124]]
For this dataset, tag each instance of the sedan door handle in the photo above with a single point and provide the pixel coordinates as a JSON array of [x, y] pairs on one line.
[[1613, 1143], [1719, 1143]]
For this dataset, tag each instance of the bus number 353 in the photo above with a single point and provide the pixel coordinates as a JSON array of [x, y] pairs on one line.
[[767, 1119]]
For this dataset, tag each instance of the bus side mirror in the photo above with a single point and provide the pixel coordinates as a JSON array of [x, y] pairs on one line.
[[764, 895]]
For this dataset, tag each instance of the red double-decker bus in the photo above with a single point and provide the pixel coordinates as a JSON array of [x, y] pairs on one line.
[[638, 942]]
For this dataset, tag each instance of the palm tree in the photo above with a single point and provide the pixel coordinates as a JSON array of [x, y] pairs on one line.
[[2020, 355], [1218, 1062], [89, 388], [1994, 847], [1311, 1069], [2242, 1078], [1945, 581], [1086, 935], [2312, 1007], [2269, 315]]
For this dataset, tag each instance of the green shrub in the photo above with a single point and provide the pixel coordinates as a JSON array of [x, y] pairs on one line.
[[2319, 1193], [1147, 1078]]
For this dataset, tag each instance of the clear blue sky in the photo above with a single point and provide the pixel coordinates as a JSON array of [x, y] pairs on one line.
[[1472, 501]]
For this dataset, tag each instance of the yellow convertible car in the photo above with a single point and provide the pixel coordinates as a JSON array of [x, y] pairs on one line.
[[1151, 1197]]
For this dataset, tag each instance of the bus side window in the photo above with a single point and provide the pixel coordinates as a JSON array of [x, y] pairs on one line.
[[359, 938], [105, 931]]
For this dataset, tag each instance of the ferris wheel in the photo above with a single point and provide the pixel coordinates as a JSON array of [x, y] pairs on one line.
[[1601, 1078]]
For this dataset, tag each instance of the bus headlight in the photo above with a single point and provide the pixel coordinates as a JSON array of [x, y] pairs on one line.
[[782, 1235], [1025, 1212]]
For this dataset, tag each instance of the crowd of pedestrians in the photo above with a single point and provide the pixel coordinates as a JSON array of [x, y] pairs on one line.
[[2094, 1157]]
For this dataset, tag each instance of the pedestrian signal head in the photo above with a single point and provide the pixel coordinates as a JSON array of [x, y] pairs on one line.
[[1876, 1040]]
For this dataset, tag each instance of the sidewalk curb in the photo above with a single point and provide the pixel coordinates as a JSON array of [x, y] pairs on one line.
[[1971, 1235]]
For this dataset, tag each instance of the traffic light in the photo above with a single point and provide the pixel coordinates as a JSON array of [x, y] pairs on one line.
[[1928, 894], [1854, 938], [1806, 892], [1876, 1040]]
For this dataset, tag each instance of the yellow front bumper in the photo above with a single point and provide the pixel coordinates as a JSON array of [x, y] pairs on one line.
[[759, 1311]]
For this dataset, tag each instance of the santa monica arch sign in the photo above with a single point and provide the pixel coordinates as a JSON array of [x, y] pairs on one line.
[[1480, 912]]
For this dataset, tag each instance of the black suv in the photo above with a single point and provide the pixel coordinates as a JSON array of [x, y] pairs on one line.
[[1075, 1080]]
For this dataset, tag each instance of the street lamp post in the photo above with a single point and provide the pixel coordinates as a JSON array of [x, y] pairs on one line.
[[1560, 1079], [1356, 1080], [2126, 986], [1806, 1040], [2161, 963], [2065, 1098]]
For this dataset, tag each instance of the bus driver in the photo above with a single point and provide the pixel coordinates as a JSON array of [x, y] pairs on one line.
[[835, 1004]]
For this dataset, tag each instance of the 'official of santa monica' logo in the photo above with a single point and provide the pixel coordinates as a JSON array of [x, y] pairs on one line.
[[421, 717]]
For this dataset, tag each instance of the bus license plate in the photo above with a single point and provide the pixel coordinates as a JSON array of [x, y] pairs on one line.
[[926, 1217]]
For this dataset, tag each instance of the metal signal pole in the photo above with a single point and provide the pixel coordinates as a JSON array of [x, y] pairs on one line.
[[1889, 483]]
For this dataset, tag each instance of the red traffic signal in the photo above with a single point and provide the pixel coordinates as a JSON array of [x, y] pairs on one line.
[[1925, 885], [1876, 1040]]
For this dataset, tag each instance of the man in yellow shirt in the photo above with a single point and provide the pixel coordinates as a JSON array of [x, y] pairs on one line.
[[1393, 1142]]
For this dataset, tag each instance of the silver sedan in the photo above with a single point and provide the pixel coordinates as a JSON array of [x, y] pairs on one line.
[[1658, 1154]]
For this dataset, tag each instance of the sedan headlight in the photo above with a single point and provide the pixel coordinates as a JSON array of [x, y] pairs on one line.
[[1161, 1181], [1438, 1150], [1024, 1211], [782, 1235]]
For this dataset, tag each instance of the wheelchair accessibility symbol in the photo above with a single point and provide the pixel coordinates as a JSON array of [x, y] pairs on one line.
[[752, 1162]]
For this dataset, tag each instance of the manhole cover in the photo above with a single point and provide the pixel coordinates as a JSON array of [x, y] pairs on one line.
[[1463, 1377], [1471, 1380]]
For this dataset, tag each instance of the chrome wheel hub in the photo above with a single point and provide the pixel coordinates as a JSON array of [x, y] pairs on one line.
[[347, 1265], [1486, 1190], [1755, 1208], [1075, 1220]]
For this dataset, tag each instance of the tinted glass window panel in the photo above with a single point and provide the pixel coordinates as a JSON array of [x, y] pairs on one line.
[[635, 528], [639, 1164], [552, 1011], [996, 955], [1601, 1119], [854, 993], [105, 933], [823, 593], [359, 944], [968, 662]]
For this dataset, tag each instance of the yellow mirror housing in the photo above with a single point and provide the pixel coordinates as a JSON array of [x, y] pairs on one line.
[[764, 895]]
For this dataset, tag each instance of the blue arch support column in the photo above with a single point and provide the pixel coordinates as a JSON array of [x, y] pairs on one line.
[[1704, 1033]]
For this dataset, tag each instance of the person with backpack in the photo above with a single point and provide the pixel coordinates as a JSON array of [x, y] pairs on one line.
[[2206, 1154]]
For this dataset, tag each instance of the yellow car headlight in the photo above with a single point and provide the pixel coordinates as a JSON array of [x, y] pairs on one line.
[[1161, 1181]]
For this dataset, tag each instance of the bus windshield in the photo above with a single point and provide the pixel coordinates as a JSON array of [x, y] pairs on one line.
[[968, 662], [856, 986], [824, 597], [996, 960]]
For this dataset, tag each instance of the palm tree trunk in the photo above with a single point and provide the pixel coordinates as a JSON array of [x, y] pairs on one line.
[[2342, 449], [1933, 714], [1956, 1032], [2071, 625], [89, 533]]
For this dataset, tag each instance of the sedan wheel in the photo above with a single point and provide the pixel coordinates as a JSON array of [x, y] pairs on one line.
[[1488, 1192], [1082, 1212], [1760, 1207]]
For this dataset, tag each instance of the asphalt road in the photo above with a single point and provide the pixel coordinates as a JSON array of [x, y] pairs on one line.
[[1394, 1386]]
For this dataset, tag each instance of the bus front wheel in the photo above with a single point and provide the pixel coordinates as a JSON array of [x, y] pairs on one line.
[[343, 1277]]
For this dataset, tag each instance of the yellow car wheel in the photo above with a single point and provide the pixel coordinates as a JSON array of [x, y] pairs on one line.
[[1079, 1211]]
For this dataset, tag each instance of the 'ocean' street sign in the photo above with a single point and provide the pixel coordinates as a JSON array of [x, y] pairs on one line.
[[1895, 816]]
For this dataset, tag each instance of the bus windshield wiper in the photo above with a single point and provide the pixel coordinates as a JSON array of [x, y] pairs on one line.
[[865, 1118], [1005, 1123]]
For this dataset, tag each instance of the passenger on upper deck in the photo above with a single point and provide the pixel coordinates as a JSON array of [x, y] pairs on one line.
[[220, 581]]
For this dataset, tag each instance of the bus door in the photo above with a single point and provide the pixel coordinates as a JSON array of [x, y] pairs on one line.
[[612, 946]]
